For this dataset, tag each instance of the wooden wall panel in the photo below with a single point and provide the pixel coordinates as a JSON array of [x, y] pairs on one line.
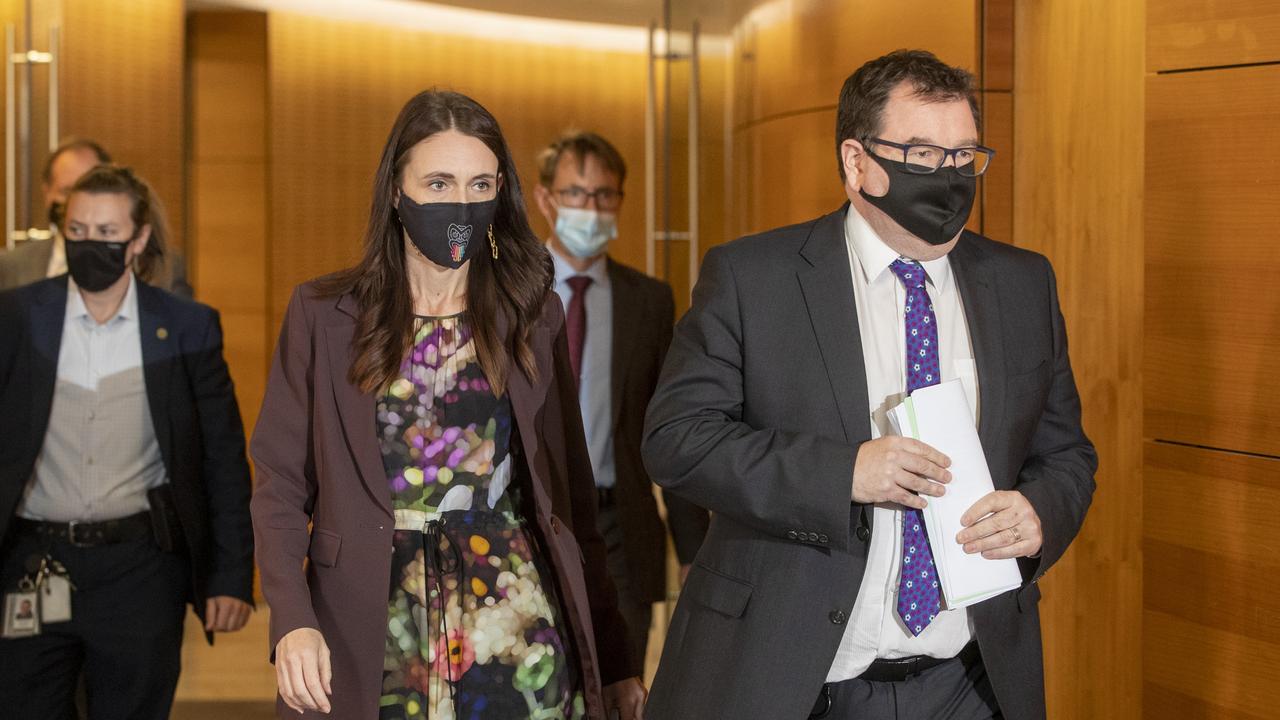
[[1213, 205], [786, 169], [1078, 122], [227, 175], [328, 91], [1212, 620], [800, 52], [122, 85], [1212, 585], [1185, 34], [996, 185], [1212, 589], [1237, 670], [995, 77], [997, 17]]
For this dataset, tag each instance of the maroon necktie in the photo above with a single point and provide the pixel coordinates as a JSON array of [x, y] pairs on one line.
[[576, 322]]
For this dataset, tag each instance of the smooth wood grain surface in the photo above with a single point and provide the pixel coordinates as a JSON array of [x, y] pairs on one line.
[[787, 171], [1078, 128], [799, 53], [1211, 641], [1212, 580], [333, 102], [997, 21], [995, 199], [1183, 34], [1237, 671], [122, 85], [227, 176], [1212, 209]]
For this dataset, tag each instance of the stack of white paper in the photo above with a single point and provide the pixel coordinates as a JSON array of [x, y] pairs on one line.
[[939, 416]]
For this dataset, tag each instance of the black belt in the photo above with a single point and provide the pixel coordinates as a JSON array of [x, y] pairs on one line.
[[897, 671], [607, 497], [91, 534], [903, 668]]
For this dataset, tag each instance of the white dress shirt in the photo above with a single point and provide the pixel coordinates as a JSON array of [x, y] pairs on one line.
[[875, 630], [595, 395], [100, 454]]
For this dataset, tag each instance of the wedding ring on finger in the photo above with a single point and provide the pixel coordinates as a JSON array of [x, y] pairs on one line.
[[1017, 536]]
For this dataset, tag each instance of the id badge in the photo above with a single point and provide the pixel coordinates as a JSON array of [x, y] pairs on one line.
[[55, 599], [21, 614]]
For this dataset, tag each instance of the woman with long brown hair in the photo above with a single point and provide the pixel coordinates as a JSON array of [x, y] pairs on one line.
[[424, 507]]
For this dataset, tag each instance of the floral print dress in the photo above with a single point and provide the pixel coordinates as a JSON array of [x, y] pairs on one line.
[[474, 627]]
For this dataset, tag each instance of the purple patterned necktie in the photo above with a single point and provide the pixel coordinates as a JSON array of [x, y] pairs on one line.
[[919, 599]]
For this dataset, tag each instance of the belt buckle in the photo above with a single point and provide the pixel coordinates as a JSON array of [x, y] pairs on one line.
[[71, 535], [911, 667]]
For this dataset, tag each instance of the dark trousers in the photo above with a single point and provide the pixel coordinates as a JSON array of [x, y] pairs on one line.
[[637, 611], [125, 633], [951, 691]]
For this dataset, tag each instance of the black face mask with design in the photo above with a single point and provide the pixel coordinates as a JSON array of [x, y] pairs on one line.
[[449, 234], [96, 264], [932, 207]]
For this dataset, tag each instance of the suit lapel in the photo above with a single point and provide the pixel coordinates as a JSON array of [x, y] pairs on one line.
[[356, 410], [48, 315], [527, 401], [981, 300], [827, 287], [625, 313], [160, 350]]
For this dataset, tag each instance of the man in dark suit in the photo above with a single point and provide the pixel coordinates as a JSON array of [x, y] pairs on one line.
[[36, 260], [619, 326], [815, 593], [123, 470]]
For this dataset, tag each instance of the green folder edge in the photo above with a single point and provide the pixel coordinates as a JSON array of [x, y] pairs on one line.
[[929, 511]]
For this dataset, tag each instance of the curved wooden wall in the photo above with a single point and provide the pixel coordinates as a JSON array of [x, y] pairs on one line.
[[1078, 129], [1212, 581]]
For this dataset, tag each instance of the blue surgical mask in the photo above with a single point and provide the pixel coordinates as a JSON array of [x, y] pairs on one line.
[[585, 233]]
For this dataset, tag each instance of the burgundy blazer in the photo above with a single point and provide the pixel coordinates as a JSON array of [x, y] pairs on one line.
[[322, 506]]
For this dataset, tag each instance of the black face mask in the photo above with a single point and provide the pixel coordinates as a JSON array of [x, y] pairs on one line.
[[96, 264], [449, 234], [932, 207]]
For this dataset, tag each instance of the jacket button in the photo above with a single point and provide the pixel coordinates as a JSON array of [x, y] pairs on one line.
[[813, 537], [822, 538], [791, 534], [837, 617], [863, 533]]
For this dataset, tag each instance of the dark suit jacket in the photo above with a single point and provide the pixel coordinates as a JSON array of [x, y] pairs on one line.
[[193, 409], [28, 262], [758, 417], [322, 496], [643, 313]]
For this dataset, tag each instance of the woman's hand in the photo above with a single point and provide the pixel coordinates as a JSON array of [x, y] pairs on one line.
[[303, 673], [627, 697]]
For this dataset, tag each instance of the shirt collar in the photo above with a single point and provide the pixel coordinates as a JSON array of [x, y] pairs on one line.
[[598, 271], [76, 309], [874, 256]]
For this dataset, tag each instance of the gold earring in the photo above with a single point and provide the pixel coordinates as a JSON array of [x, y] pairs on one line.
[[493, 243]]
